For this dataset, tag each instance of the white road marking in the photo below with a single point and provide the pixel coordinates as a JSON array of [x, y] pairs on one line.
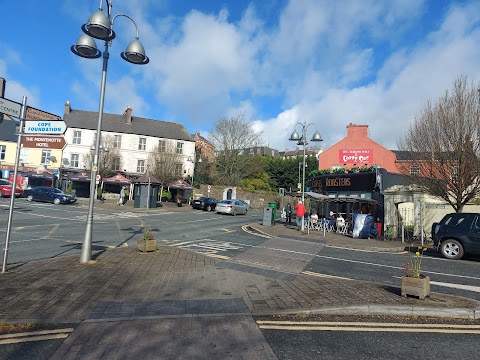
[[453, 286], [368, 251]]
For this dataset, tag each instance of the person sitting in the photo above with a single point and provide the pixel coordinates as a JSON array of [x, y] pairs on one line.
[[331, 221], [340, 223], [314, 216]]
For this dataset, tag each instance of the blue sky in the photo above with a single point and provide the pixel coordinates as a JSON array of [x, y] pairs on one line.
[[279, 62]]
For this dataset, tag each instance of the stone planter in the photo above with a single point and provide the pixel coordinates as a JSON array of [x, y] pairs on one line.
[[147, 245], [416, 286]]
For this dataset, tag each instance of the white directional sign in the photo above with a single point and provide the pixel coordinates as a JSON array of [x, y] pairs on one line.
[[45, 127], [10, 107]]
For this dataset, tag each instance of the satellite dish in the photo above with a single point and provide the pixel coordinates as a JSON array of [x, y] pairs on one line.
[[65, 161], [52, 158]]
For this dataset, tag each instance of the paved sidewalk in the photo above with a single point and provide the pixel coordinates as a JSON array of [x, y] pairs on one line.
[[175, 304]]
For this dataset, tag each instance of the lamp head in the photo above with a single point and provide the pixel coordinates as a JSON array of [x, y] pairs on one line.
[[135, 53], [86, 47], [317, 137], [294, 136], [99, 27]]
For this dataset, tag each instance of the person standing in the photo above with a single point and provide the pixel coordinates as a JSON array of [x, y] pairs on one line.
[[121, 201], [288, 213], [299, 214]]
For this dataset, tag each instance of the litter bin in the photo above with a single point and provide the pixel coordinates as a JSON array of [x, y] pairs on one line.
[[273, 205]]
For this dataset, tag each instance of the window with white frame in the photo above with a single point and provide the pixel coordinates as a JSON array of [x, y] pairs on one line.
[[180, 148], [117, 141], [140, 166], [116, 164], [24, 152], [77, 137], [94, 138], [45, 157], [142, 143], [414, 169], [162, 146], [178, 169], [74, 160], [3, 150]]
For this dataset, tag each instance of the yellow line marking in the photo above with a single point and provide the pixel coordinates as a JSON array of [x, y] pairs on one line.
[[33, 338], [39, 332], [324, 275], [257, 233], [368, 329], [219, 256], [334, 323]]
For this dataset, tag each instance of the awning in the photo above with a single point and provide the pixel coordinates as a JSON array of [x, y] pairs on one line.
[[117, 179], [37, 174], [81, 176], [180, 184], [325, 198]]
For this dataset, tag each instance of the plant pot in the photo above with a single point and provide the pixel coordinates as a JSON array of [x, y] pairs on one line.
[[416, 286], [147, 245]]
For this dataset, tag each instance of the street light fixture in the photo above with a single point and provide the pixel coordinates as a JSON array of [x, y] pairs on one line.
[[100, 26], [193, 159], [302, 141]]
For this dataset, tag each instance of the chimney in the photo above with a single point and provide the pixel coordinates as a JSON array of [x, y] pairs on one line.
[[357, 131], [67, 109], [128, 114]]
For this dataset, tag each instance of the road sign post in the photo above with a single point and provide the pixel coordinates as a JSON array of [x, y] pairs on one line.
[[10, 107], [47, 127]]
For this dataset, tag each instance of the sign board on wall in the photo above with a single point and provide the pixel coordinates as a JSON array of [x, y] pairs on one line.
[[43, 142], [355, 156]]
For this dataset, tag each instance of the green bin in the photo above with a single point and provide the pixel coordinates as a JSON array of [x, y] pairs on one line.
[[273, 205]]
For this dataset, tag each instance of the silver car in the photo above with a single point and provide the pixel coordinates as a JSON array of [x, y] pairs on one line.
[[232, 207]]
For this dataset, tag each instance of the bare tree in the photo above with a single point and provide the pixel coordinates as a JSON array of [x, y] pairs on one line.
[[165, 163], [231, 136], [442, 146], [108, 156]]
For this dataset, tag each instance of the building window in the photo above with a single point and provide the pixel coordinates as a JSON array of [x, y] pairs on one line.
[[23, 155], [162, 146], [74, 160], [45, 157], [3, 150], [414, 169], [77, 137], [140, 166], [94, 139], [142, 143], [117, 141], [179, 148], [116, 164], [178, 169]]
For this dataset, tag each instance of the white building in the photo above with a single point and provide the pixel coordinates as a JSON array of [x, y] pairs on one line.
[[134, 137]]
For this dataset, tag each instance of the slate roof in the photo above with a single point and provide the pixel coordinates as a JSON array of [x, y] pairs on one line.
[[117, 123], [8, 129]]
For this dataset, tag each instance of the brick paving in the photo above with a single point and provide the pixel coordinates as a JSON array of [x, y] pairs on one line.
[[176, 304]]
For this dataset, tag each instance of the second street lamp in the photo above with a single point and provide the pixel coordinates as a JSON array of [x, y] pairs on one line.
[[302, 141], [100, 26]]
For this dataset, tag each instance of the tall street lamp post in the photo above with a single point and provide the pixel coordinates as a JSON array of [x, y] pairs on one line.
[[100, 26], [302, 141], [193, 159]]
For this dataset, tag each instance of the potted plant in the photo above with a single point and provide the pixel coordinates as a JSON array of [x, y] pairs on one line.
[[147, 242], [414, 283]]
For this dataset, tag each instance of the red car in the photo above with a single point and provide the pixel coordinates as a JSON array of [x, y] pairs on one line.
[[6, 189]]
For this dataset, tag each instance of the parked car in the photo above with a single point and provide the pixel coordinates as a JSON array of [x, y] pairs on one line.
[[246, 203], [457, 234], [232, 207], [205, 203], [6, 189], [50, 194]]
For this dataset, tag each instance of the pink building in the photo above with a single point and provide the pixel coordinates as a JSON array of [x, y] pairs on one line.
[[357, 150]]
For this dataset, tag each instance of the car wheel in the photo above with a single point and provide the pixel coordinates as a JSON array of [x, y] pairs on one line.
[[209, 208], [29, 198], [451, 249], [234, 212], [56, 201]]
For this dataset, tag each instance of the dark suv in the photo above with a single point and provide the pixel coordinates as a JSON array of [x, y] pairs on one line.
[[457, 234]]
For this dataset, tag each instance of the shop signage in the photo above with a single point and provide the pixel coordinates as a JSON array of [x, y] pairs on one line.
[[355, 156], [10, 107], [345, 182], [35, 114], [45, 127], [43, 142]]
